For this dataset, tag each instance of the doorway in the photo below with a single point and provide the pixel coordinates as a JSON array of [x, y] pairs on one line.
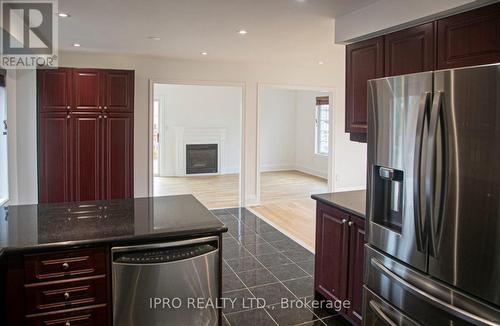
[[295, 155], [196, 142]]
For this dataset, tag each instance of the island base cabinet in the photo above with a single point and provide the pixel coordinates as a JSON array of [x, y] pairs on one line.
[[339, 259], [95, 316]]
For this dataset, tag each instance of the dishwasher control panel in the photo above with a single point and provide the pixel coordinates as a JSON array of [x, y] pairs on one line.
[[164, 255]]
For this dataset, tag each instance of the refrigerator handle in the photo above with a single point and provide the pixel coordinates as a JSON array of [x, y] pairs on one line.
[[375, 307], [417, 168], [431, 224]]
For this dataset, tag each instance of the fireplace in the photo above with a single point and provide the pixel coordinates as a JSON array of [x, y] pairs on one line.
[[201, 158]]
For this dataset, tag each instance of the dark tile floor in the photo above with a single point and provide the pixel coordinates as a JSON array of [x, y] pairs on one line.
[[262, 262]]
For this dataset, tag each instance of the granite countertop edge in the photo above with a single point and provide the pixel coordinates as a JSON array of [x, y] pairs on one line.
[[342, 206], [115, 240]]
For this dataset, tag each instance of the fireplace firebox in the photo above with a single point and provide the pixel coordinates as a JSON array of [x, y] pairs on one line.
[[201, 158]]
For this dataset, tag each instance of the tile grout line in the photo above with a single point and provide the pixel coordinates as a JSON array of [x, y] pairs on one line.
[[269, 270]]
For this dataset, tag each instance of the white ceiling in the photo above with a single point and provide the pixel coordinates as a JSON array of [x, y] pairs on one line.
[[279, 31]]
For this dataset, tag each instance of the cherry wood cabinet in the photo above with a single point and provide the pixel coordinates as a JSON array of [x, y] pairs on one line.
[[53, 156], [118, 155], [469, 39], [410, 50], [119, 90], [365, 60], [54, 90], [88, 89], [86, 152], [339, 259], [466, 39], [65, 287], [331, 252], [85, 134], [356, 260]]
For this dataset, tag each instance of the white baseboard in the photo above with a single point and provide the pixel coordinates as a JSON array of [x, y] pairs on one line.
[[276, 167], [251, 200], [314, 172]]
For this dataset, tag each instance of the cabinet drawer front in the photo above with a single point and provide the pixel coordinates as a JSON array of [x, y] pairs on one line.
[[46, 267], [63, 295], [96, 316]]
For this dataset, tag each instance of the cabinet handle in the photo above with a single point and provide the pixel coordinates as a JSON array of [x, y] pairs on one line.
[[105, 117], [68, 116], [105, 108], [344, 220], [65, 266], [68, 107], [66, 295], [67, 323], [100, 107], [350, 223], [100, 117]]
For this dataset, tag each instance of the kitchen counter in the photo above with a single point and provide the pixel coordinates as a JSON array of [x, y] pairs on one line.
[[353, 202], [52, 226]]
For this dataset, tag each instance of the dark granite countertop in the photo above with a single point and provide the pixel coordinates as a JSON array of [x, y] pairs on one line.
[[36, 227], [353, 202]]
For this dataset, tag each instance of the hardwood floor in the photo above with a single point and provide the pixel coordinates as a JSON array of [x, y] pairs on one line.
[[286, 203], [218, 191], [285, 198]]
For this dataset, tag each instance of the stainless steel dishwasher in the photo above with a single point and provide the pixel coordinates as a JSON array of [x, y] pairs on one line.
[[174, 283]]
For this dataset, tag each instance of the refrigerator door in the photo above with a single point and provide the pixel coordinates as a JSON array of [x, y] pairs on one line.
[[398, 114], [423, 300], [464, 182]]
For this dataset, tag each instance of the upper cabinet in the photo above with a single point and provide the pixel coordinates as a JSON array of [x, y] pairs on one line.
[[87, 88], [469, 39], [54, 90], [466, 39], [364, 61], [119, 90], [410, 50]]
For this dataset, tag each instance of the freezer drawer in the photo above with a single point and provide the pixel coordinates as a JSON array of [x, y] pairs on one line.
[[166, 284], [423, 299], [378, 312]]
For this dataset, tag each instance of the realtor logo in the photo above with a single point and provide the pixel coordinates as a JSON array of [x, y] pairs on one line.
[[29, 34]]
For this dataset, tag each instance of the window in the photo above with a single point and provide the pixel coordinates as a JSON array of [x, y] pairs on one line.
[[322, 125]]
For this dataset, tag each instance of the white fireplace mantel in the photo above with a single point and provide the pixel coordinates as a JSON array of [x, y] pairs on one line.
[[195, 136]]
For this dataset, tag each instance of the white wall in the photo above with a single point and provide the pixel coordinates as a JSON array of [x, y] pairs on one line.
[[196, 107], [387, 15], [277, 129], [306, 160], [330, 76], [23, 182]]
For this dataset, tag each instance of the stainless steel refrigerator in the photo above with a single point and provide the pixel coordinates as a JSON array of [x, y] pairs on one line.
[[433, 210]]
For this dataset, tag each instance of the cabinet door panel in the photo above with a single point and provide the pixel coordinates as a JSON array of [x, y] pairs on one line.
[[468, 39], [118, 141], [356, 249], [119, 90], [53, 151], [54, 89], [410, 50], [87, 89], [86, 156], [364, 61], [331, 253]]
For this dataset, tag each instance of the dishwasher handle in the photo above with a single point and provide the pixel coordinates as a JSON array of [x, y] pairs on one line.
[[164, 252]]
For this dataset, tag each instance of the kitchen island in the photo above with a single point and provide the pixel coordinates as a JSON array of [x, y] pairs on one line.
[[55, 259]]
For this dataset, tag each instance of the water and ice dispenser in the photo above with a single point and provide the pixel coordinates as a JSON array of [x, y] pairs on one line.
[[388, 197]]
